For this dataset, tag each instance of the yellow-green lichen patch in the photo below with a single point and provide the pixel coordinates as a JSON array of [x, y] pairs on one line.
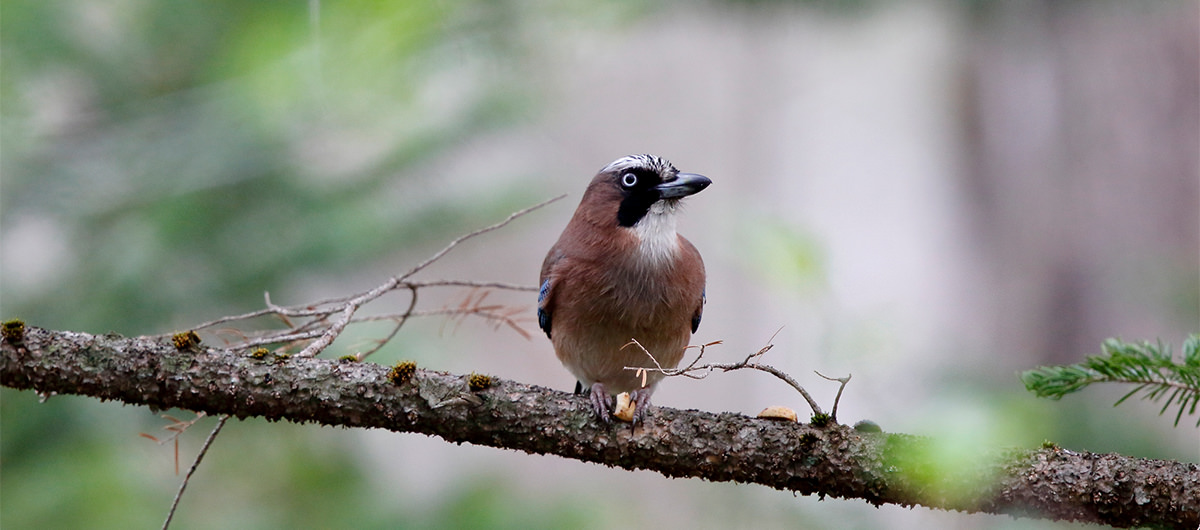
[[479, 382], [402, 372], [13, 331], [821, 420], [185, 340]]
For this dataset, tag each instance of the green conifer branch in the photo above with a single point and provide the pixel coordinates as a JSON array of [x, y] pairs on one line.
[[1151, 367]]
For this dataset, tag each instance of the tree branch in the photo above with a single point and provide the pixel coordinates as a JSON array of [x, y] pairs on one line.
[[834, 461]]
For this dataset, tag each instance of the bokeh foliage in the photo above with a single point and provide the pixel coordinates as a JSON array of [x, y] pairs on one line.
[[167, 162]]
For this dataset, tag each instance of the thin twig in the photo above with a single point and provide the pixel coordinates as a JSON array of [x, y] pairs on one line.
[[481, 231], [837, 399], [412, 303], [233, 318], [351, 306], [177, 428], [695, 371], [468, 283], [195, 464], [777, 373], [447, 311], [314, 328], [315, 308], [347, 312], [307, 310], [326, 319], [278, 338]]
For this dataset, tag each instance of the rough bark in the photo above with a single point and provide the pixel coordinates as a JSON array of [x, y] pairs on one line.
[[834, 461]]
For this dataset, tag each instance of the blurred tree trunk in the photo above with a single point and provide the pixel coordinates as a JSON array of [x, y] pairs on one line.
[[1084, 175]]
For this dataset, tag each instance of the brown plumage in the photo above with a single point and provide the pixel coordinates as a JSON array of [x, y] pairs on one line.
[[619, 272]]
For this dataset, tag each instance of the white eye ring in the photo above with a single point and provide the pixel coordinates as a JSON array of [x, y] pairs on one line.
[[629, 180]]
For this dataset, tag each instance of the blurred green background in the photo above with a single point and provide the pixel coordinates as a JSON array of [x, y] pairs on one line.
[[929, 195]]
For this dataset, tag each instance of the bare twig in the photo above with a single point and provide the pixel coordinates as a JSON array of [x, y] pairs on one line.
[[324, 320], [307, 310], [177, 427], [468, 283], [277, 338], [316, 327], [481, 231], [837, 399], [473, 305], [488, 312], [234, 318], [412, 303], [352, 305], [699, 371], [195, 464], [345, 313]]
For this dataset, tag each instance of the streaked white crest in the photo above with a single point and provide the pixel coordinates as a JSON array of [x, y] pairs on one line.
[[657, 164]]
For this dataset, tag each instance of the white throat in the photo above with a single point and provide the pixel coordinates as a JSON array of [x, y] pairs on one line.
[[657, 240]]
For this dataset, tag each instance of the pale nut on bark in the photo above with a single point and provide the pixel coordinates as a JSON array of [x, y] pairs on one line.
[[625, 407], [778, 413]]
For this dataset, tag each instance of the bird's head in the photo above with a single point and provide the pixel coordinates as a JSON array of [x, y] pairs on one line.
[[639, 186], [637, 197]]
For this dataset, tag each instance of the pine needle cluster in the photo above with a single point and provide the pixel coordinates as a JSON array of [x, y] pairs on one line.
[[1149, 366]]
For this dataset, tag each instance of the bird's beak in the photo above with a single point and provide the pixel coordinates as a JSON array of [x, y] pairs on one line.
[[683, 185]]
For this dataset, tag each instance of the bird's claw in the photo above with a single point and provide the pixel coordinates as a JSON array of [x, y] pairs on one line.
[[601, 402], [641, 404]]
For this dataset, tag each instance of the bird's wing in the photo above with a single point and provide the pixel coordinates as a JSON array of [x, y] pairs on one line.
[[545, 298], [693, 262]]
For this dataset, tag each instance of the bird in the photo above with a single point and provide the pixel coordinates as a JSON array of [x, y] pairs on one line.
[[620, 273]]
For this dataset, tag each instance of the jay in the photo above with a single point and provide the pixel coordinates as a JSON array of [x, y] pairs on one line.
[[620, 272]]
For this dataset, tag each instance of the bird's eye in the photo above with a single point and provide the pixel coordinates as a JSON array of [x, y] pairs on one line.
[[629, 180]]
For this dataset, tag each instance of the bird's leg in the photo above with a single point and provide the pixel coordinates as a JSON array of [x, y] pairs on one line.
[[641, 403], [601, 402]]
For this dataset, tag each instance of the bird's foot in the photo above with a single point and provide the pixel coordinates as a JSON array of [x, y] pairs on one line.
[[641, 404], [602, 403]]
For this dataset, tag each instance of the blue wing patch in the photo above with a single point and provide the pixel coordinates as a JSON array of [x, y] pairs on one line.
[[543, 315], [699, 311]]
